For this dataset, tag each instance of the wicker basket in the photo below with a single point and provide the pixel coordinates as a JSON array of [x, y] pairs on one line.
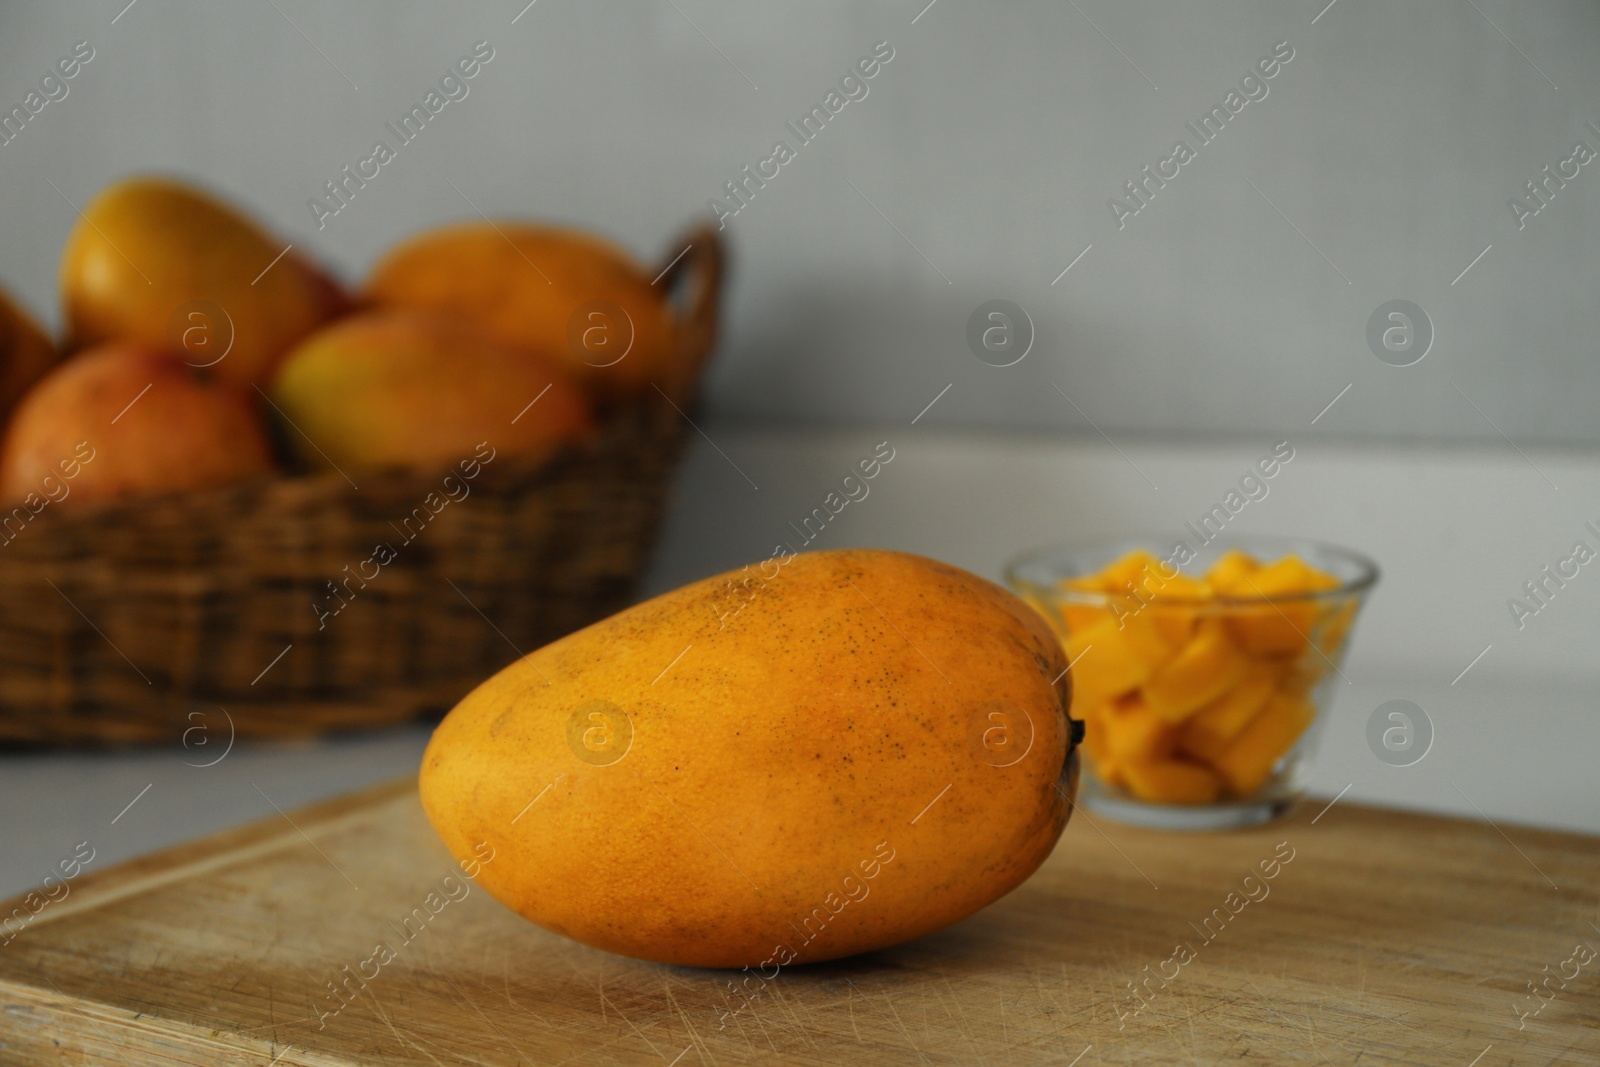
[[138, 622]]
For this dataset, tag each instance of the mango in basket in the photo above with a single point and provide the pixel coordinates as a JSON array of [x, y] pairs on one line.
[[25, 354], [162, 264], [396, 388], [1193, 689], [121, 421], [562, 294]]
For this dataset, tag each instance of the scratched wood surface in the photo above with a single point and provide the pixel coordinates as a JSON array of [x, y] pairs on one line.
[[1386, 939]]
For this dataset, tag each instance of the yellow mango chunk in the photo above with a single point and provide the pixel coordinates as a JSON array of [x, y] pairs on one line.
[[1205, 669], [1183, 587], [1134, 732], [1171, 781], [1080, 615], [1229, 570], [1108, 659], [1282, 626], [1144, 638], [1096, 739], [1208, 731], [1133, 574], [1175, 608], [1201, 745], [1176, 625], [1249, 759]]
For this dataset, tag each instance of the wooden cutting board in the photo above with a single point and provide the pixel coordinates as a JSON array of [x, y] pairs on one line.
[[1381, 938]]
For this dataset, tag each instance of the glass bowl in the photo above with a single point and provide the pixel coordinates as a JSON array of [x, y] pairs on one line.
[[1200, 706]]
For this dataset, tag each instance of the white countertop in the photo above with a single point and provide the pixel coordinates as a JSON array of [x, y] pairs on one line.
[[1457, 533]]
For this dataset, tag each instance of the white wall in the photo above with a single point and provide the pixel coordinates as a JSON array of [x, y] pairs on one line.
[[993, 140]]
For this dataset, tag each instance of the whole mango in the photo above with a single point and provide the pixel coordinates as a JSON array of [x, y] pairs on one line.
[[553, 291], [825, 754], [121, 421], [395, 388], [162, 264]]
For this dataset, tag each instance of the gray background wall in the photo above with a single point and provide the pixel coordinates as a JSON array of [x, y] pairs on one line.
[[1381, 160]]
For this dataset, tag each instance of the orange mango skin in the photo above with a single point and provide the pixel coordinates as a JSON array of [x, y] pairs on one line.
[[402, 389], [522, 284], [140, 422], [146, 247], [792, 742]]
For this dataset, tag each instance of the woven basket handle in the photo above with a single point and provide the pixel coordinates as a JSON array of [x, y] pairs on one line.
[[690, 280]]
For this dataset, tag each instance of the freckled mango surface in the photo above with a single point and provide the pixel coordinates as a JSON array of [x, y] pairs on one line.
[[820, 755]]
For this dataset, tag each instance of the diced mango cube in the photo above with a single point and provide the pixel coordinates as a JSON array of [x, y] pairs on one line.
[[1108, 659], [1205, 669], [1182, 587], [1208, 731], [1229, 570], [1134, 732], [1171, 781], [1175, 607], [1281, 626], [1144, 638], [1200, 745], [1133, 574], [1080, 615], [1249, 759], [1176, 625]]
